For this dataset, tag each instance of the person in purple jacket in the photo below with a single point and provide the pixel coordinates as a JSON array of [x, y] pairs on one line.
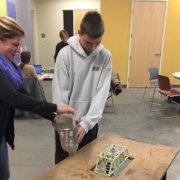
[[12, 93]]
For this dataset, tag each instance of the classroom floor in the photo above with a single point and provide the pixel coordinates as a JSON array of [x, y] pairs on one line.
[[34, 144]]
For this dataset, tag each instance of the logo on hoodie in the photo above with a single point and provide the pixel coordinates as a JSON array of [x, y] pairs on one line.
[[95, 68]]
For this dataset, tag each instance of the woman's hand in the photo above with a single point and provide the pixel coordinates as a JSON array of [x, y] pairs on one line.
[[64, 108]]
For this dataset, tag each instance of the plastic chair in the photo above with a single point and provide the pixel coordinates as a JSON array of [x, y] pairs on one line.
[[153, 79], [164, 88]]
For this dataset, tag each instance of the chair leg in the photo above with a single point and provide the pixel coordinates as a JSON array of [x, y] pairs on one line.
[[110, 98], [171, 100], [161, 103], [153, 96], [164, 177], [112, 102], [144, 92]]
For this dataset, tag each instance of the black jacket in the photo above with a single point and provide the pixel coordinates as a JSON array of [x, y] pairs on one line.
[[59, 46], [10, 99]]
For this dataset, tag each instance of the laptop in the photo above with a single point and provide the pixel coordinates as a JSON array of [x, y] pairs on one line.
[[38, 68]]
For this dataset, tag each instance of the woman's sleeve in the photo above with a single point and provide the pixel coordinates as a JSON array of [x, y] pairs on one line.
[[16, 99]]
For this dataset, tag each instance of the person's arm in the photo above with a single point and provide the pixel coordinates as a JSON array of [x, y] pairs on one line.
[[16, 99], [56, 52], [60, 83], [43, 76], [96, 108]]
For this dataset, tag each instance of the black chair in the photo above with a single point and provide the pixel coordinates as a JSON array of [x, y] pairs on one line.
[[34, 88]]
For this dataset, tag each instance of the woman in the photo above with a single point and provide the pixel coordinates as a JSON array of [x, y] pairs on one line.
[[12, 94]]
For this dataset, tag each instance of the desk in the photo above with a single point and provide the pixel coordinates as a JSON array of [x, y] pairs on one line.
[[45, 76], [176, 75], [150, 162]]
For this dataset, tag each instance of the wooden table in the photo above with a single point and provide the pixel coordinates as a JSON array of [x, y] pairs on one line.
[[150, 162]]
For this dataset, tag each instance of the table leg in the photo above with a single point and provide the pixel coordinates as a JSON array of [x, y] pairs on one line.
[[164, 177]]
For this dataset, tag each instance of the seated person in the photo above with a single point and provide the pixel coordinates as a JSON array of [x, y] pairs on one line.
[[31, 81], [27, 69]]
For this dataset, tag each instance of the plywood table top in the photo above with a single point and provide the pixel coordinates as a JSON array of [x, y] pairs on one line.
[[150, 162]]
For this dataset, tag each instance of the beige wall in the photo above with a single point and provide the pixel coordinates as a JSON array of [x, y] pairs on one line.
[[49, 16]]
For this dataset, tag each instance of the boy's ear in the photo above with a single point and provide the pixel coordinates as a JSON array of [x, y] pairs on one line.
[[79, 32]]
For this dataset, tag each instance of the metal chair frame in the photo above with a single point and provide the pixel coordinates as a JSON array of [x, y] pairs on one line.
[[112, 102], [164, 88], [153, 79]]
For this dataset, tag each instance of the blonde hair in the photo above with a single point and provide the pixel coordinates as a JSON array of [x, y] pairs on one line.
[[9, 28]]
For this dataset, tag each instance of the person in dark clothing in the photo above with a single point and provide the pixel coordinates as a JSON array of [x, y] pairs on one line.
[[64, 36], [12, 93]]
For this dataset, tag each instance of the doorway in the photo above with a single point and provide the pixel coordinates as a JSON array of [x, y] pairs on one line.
[[147, 29], [72, 20]]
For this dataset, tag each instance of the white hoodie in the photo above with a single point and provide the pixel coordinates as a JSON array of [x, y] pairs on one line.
[[82, 81]]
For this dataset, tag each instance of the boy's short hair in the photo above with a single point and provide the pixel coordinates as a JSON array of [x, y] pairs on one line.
[[92, 24]]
